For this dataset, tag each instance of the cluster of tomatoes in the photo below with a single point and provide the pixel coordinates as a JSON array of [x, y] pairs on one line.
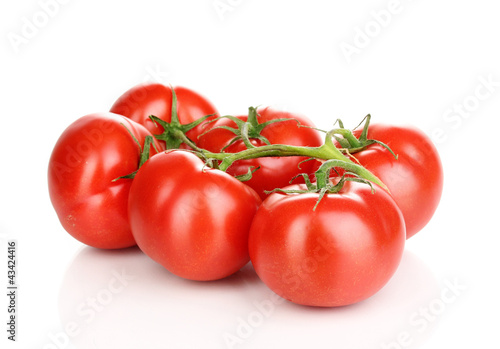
[[223, 197]]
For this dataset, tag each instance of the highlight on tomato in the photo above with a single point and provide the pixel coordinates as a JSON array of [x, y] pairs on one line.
[[87, 159]]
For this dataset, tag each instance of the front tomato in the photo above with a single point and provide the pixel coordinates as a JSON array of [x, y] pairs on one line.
[[89, 155], [341, 253], [191, 219]]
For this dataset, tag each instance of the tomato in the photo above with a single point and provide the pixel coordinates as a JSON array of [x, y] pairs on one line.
[[415, 179], [191, 219], [274, 172], [341, 253], [92, 152], [144, 100]]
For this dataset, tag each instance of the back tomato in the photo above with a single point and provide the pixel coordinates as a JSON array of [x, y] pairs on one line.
[[144, 100], [341, 253], [191, 219], [274, 172], [92, 152], [415, 179]]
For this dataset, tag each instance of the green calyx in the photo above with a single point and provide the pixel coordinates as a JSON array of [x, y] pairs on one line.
[[350, 144], [174, 133], [323, 185], [246, 130]]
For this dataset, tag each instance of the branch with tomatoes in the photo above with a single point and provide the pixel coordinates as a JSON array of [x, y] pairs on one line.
[[322, 218]]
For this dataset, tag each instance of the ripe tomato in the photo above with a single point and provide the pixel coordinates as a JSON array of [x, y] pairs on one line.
[[274, 172], [191, 219], [144, 100], [341, 253], [415, 179], [92, 152]]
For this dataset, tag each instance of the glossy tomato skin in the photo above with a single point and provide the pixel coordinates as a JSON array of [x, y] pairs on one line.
[[191, 219], [415, 179], [92, 152], [341, 253], [274, 172], [147, 99]]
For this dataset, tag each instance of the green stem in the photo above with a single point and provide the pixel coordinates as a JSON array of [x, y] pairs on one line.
[[327, 151], [244, 136], [347, 134], [364, 134], [323, 173], [252, 117], [323, 152], [174, 118], [180, 135]]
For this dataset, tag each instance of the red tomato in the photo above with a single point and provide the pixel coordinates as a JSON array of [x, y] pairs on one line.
[[144, 100], [415, 179], [89, 155], [191, 219], [274, 172], [341, 253]]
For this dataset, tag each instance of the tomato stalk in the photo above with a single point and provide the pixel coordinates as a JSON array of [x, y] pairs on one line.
[[175, 135], [327, 151]]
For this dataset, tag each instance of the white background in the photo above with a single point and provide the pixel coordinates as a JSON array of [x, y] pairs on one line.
[[414, 66]]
